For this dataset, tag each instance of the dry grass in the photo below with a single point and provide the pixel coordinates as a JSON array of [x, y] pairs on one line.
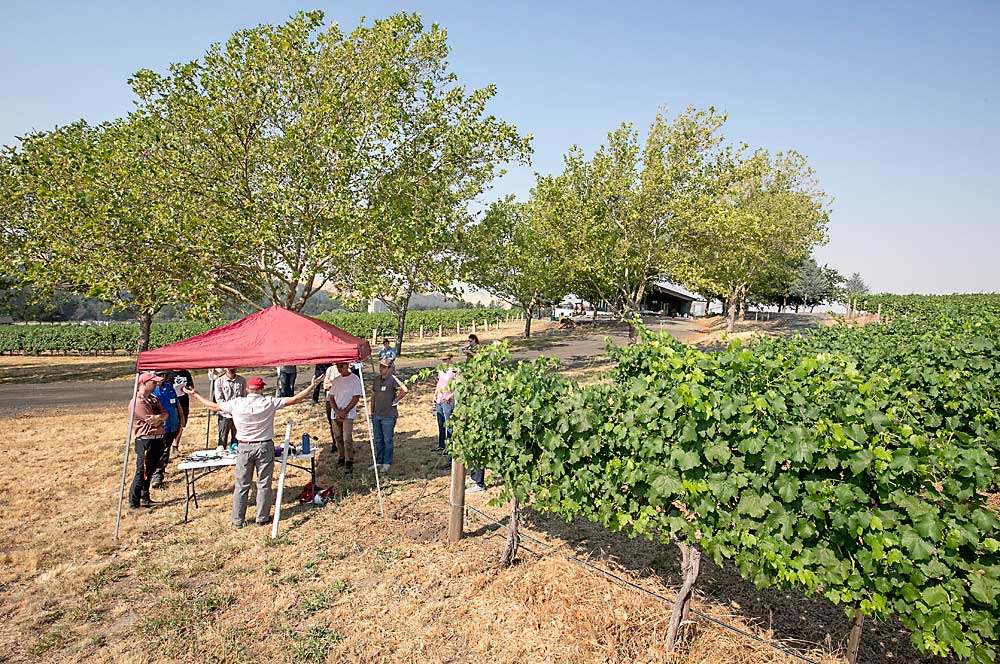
[[340, 585]]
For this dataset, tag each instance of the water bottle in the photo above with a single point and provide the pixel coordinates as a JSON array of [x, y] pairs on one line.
[[305, 443]]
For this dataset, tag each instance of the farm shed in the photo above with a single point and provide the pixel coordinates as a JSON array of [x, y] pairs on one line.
[[667, 300]]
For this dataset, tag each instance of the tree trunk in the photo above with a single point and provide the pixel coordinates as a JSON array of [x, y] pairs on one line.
[[731, 320], [690, 565], [513, 538], [401, 323], [743, 311], [145, 324], [527, 321]]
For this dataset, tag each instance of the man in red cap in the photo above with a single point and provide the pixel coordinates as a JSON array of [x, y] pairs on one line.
[[253, 416], [147, 428]]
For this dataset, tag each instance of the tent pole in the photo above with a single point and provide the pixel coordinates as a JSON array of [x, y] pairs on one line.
[[371, 439], [128, 443], [208, 413]]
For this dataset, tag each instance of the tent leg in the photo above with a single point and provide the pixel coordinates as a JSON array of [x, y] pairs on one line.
[[371, 441], [128, 443], [209, 414], [281, 479]]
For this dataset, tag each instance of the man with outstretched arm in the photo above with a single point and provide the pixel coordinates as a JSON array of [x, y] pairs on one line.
[[253, 416]]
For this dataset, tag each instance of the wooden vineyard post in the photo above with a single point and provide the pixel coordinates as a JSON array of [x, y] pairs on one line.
[[690, 564], [374, 335], [473, 327], [513, 539], [878, 316], [854, 640], [458, 329], [456, 519], [421, 331]]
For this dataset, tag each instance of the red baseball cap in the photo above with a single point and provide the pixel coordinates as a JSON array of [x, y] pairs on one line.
[[255, 383], [149, 375]]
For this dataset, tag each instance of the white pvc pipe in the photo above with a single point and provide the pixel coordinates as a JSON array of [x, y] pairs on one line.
[[371, 440], [281, 478], [209, 413], [128, 444]]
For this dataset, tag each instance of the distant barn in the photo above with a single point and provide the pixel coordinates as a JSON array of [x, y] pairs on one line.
[[670, 300]]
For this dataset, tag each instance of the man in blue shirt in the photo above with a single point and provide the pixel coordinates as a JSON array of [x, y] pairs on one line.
[[167, 397], [387, 352]]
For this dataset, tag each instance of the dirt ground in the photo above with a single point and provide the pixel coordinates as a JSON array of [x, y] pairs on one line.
[[342, 583]]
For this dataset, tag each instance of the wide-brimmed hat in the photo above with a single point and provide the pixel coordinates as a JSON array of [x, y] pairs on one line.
[[385, 362]]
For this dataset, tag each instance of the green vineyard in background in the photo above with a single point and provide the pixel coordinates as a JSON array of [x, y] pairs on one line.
[[123, 337]]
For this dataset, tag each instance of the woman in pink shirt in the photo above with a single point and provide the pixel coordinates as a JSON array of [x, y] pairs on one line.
[[444, 400]]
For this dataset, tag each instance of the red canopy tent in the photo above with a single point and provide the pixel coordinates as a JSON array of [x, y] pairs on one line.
[[272, 337]]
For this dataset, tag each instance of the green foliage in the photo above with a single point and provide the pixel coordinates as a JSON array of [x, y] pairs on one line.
[[327, 156], [850, 463], [92, 339], [508, 255], [614, 218]]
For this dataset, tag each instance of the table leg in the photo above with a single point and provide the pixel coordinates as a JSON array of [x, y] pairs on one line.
[[187, 495], [312, 471], [194, 490]]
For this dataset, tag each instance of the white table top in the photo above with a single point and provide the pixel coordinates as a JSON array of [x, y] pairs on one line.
[[213, 459]]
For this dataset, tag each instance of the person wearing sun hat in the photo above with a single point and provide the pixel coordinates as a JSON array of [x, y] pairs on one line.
[[253, 417], [385, 390], [147, 428]]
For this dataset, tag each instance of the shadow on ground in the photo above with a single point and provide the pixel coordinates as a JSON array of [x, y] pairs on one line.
[[793, 617], [53, 371]]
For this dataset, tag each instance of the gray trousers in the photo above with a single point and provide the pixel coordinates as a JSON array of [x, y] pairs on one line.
[[251, 456]]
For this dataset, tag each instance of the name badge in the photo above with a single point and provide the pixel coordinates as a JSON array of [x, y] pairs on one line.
[[383, 388]]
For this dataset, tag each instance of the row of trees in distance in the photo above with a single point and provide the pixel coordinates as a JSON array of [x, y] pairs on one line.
[[299, 158]]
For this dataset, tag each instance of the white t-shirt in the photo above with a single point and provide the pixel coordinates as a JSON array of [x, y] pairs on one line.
[[343, 389], [253, 416]]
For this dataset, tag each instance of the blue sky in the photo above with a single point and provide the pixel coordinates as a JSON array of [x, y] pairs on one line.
[[896, 105]]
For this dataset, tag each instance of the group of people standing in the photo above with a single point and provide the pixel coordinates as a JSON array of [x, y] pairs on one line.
[[159, 420], [246, 419]]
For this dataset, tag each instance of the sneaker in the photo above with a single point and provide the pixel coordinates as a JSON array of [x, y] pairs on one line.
[[262, 523], [474, 488], [136, 510], [340, 462], [384, 468], [236, 526], [156, 484], [375, 467], [145, 502], [349, 467]]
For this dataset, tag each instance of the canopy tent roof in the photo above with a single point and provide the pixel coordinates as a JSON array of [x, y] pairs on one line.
[[272, 337]]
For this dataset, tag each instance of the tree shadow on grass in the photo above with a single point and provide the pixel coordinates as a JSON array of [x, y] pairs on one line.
[[55, 371]]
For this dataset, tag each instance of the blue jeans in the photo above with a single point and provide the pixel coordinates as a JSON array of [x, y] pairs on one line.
[[286, 384], [383, 428], [443, 411]]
